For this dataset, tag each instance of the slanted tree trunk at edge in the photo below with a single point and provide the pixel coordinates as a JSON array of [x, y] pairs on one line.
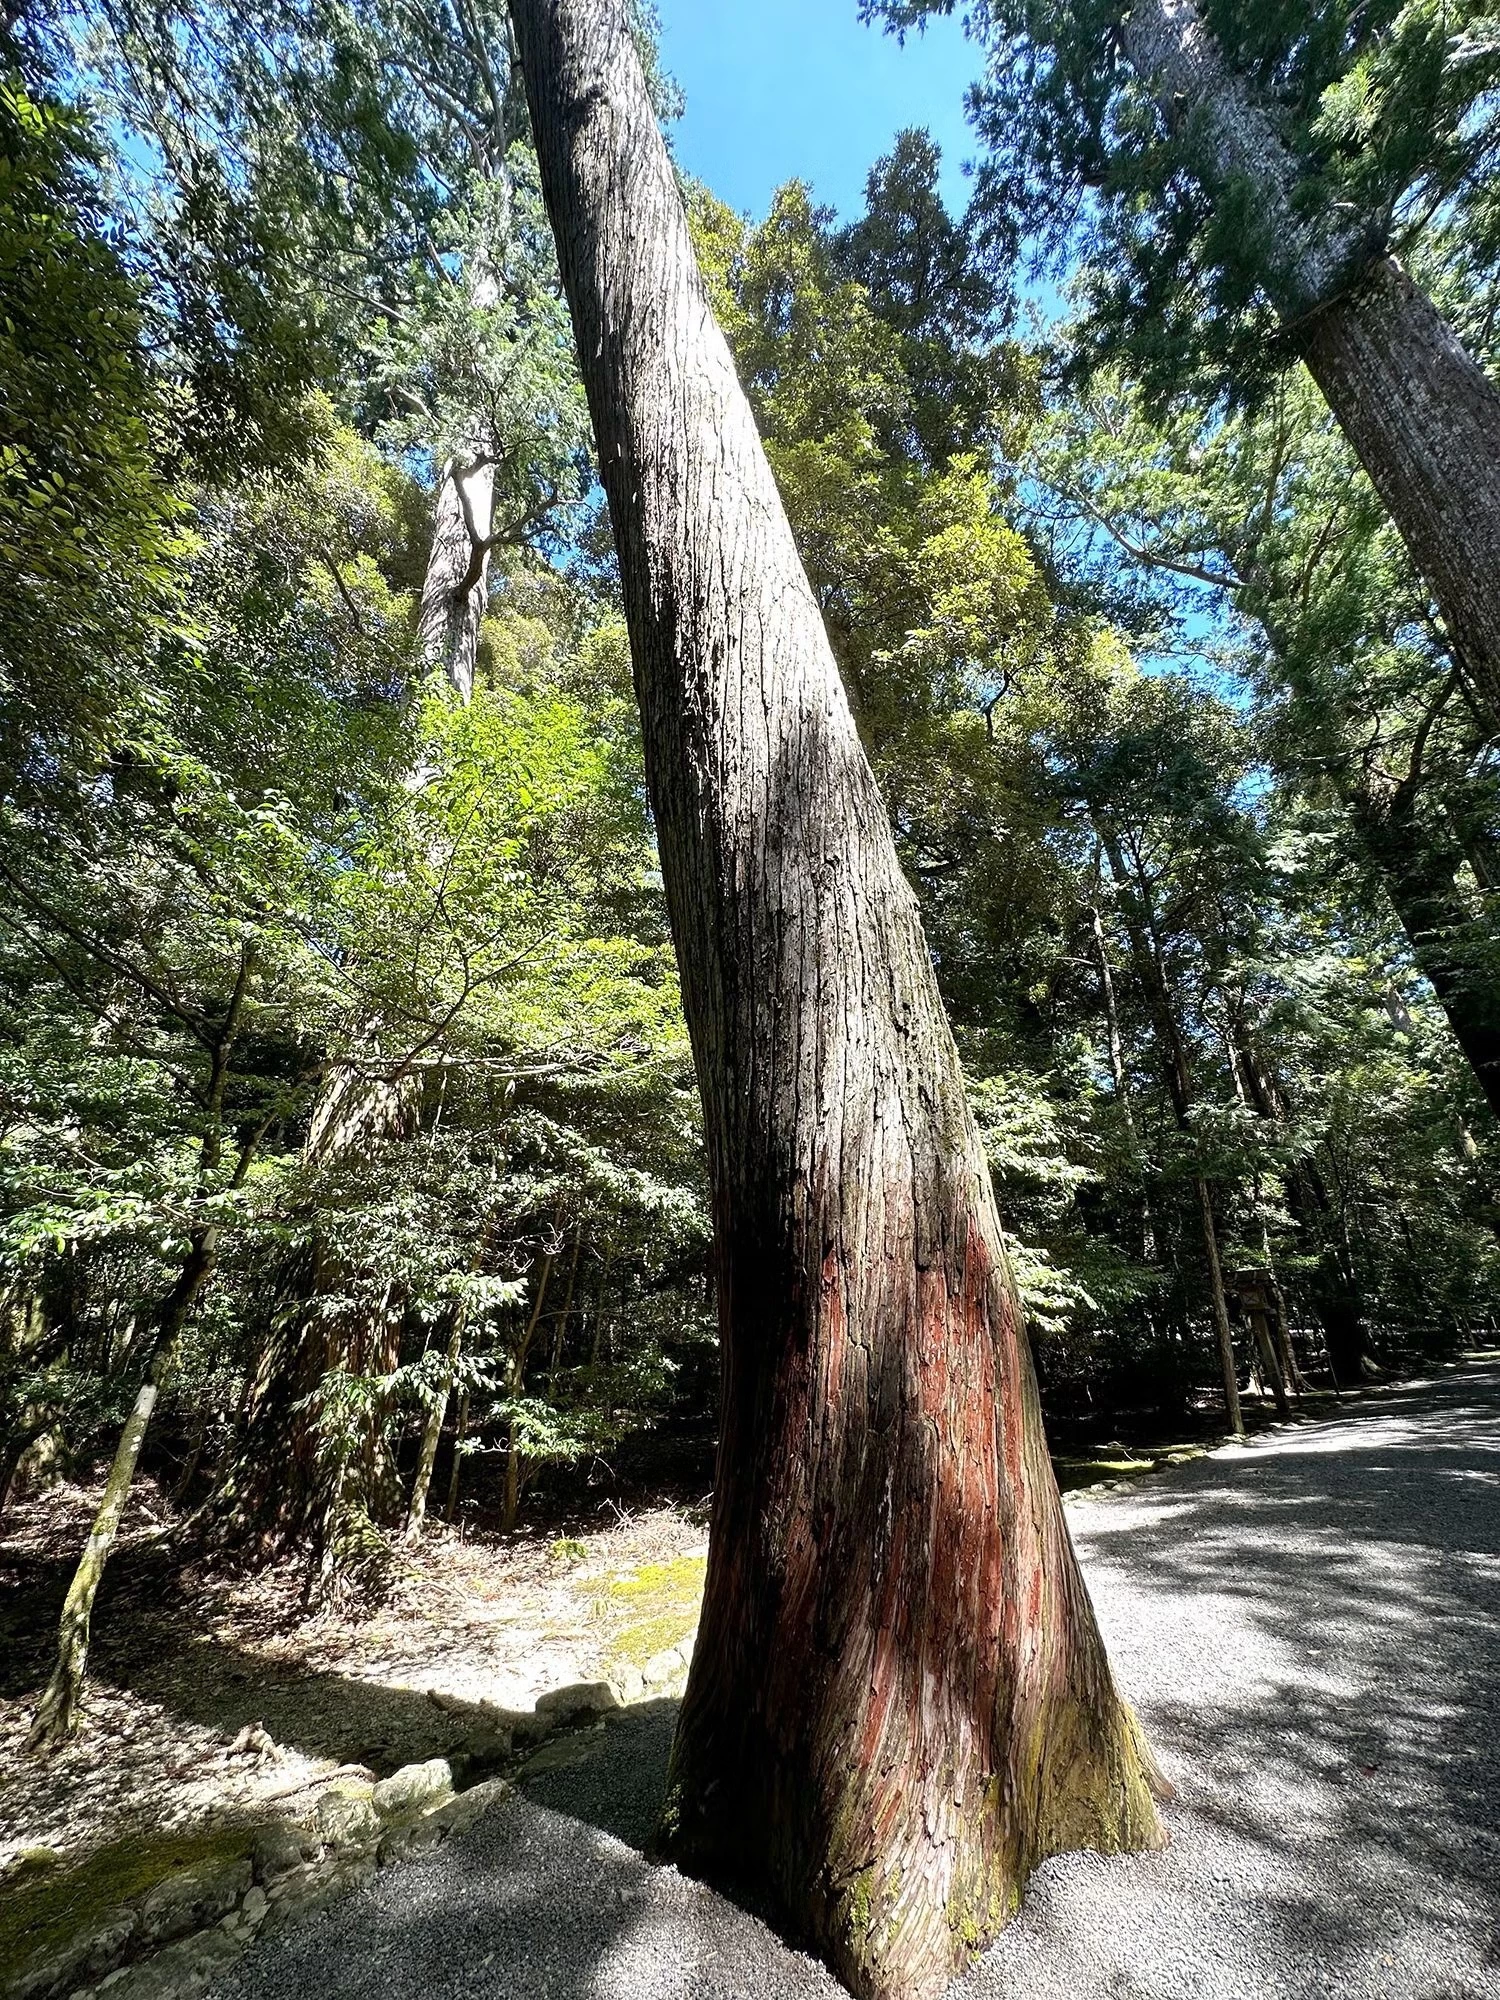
[[899, 1701], [57, 1715], [1419, 411], [1452, 950]]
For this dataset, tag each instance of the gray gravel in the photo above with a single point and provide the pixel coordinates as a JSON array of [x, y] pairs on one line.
[[1308, 1628]]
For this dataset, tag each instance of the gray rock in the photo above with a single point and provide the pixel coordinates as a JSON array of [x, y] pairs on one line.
[[568, 1703], [664, 1669], [96, 1950], [489, 1745], [346, 1814], [181, 1972], [561, 1755], [278, 1850], [413, 1788], [466, 1807], [192, 1899]]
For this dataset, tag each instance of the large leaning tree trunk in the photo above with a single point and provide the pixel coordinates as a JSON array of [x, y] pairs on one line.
[[899, 1700], [1447, 943], [1420, 412]]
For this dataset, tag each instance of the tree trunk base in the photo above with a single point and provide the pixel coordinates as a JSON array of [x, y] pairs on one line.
[[875, 1919]]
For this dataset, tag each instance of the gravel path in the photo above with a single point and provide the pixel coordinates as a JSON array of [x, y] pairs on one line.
[[1308, 1628]]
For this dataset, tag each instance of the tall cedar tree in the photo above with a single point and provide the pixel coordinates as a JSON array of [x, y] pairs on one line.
[[1254, 168], [899, 1700]]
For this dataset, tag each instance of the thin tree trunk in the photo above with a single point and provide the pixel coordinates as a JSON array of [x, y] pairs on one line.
[[1222, 1329], [560, 1334], [1419, 411], [1140, 927], [517, 1384], [899, 1701], [57, 1716], [460, 1432], [599, 1300], [1291, 1373], [432, 1431], [1122, 1085]]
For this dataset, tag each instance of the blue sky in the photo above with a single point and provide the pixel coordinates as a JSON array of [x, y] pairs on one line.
[[779, 90]]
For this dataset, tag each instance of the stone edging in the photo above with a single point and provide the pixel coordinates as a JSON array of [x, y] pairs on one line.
[[173, 1939]]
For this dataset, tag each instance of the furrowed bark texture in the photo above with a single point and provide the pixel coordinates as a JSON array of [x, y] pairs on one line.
[[1425, 420], [1420, 412], [899, 1700], [1446, 941]]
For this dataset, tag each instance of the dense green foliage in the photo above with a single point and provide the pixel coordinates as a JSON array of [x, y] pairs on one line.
[[375, 984], [1386, 112]]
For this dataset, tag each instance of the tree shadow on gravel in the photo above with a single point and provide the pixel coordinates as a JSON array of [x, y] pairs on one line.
[[1309, 1632], [530, 1904]]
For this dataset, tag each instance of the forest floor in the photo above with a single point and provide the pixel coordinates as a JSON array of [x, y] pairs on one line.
[[1307, 1626], [186, 1660], [187, 1657]]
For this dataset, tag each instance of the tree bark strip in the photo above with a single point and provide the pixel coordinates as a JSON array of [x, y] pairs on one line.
[[899, 1700], [1424, 419]]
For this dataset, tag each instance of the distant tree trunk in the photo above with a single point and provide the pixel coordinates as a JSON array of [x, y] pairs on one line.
[[455, 590], [899, 1701], [273, 1481], [1291, 1373], [560, 1332], [57, 1716], [1420, 412], [432, 1431], [1141, 929], [517, 1388], [1121, 1081], [460, 1432], [1223, 1332]]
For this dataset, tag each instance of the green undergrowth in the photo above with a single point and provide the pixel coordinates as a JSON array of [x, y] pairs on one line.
[[650, 1608], [47, 1908]]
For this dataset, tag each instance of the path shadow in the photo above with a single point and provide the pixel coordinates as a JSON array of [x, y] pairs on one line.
[[1308, 1630], [615, 1778]]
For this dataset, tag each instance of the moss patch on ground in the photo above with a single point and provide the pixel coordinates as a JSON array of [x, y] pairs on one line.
[[1121, 1463], [46, 1909], [650, 1608]]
